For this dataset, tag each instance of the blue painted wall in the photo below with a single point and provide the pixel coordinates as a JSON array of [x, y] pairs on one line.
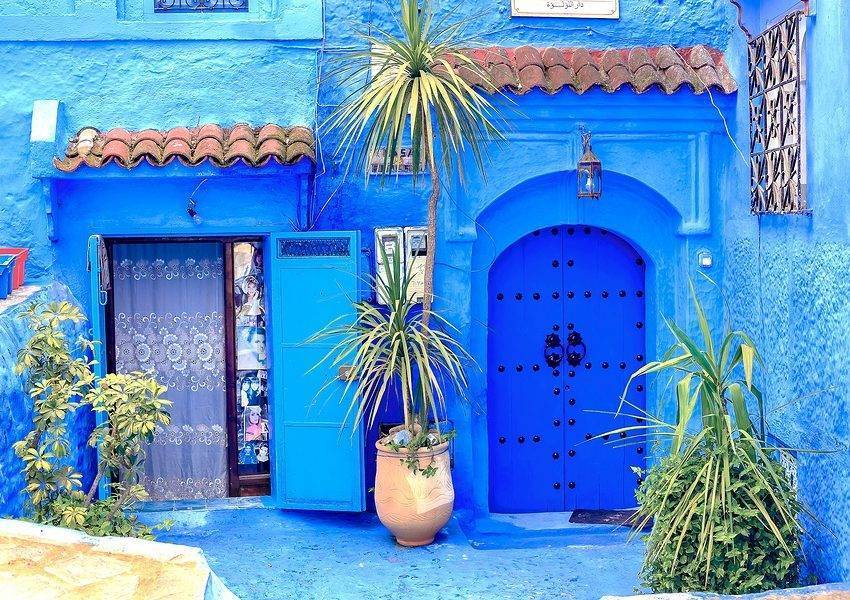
[[787, 283], [118, 202], [667, 159], [111, 65], [16, 406]]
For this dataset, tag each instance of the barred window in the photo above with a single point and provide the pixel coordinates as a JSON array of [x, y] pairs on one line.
[[184, 6], [777, 119]]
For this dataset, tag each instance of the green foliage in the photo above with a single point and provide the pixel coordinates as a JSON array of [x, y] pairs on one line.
[[725, 518], [101, 517], [57, 377], [133, 406], [60, 379], [697, 545], [412, 88], [391, 354], [423, 440]]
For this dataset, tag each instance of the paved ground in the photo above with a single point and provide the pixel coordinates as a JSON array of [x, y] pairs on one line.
[[267, 554], [49, 563]]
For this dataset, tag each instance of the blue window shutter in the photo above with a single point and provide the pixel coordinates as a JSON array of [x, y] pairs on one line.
[[98, 284], [318, 463]]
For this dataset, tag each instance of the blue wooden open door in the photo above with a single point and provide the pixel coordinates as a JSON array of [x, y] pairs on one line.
[[318, 462], [99, 286]]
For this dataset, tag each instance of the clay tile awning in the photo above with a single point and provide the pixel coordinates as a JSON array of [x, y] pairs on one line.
[[220, 146], [520, 70]]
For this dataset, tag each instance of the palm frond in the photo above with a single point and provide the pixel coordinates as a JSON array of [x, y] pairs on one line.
[[391, 354], [413, 91]]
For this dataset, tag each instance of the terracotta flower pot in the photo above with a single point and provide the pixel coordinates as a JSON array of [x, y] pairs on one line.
[[413, 507]]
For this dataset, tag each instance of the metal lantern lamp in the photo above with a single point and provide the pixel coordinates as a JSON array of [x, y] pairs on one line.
[[589, 170]]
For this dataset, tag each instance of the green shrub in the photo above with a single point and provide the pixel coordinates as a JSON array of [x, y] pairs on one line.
[[60, 379], [746, 556], [724, 517]]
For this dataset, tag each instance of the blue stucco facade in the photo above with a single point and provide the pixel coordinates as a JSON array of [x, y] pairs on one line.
[[787, 283], [675, 183], [669, 168]]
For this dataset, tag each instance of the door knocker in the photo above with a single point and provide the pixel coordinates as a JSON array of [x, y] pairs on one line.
[[576, 350], [553, 352]]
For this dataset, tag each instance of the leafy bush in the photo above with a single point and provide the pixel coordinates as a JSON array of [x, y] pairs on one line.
[[60, 379], [745, 555], [57, 378], [724, 517]]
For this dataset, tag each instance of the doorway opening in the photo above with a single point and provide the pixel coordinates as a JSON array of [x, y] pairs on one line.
[[566, 329], [193, 310]]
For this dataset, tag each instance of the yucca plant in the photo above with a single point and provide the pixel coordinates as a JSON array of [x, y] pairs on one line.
[[391, 354], [724, 517], [414, 92]]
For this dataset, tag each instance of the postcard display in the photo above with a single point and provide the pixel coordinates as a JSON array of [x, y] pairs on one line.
[[252, 406]]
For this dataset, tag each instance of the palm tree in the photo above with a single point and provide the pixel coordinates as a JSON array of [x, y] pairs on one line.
[[413, 89]]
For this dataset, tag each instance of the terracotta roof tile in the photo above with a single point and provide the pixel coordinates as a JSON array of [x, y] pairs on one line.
[[176, 147], [525, 68], [553, 57], [559, 76], [220, 146]]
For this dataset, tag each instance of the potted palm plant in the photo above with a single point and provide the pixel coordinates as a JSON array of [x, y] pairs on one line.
[[413, 92], [391, 355]]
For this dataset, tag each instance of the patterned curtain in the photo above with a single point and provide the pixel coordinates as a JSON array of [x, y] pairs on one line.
[[169, 318]]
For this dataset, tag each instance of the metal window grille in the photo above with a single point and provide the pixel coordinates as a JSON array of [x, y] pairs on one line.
[[777, 123], [184, 6], [302, 248]]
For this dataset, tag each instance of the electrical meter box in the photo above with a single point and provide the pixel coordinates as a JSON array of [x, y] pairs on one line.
[[415, 251], [391, 239]]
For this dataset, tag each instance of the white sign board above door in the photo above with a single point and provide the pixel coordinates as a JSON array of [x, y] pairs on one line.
[[577, 9]]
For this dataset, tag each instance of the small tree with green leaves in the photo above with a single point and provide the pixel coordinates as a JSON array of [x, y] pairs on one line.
[[57, 378], [133, 406], [60, 379]]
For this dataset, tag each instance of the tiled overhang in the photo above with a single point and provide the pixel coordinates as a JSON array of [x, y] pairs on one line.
[[220, 146], [520, 70]]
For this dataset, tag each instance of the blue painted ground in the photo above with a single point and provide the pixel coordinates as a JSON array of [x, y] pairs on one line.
[[264, 554]]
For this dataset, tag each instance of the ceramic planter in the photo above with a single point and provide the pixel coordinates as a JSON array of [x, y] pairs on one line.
[[412, 506]]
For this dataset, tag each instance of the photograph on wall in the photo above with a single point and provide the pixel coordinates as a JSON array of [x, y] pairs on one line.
[[248, 283], [251, 344], [252, 414]]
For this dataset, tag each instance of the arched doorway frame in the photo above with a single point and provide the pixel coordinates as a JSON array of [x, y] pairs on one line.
[[629, 208]]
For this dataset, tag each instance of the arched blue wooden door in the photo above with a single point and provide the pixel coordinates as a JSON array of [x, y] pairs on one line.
[[566, 317]]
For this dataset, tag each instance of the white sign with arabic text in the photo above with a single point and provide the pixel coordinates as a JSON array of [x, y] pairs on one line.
[[578, 9]]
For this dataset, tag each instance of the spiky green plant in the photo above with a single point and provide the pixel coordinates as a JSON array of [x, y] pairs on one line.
[[724, 517], [391, 354], [414, 90]]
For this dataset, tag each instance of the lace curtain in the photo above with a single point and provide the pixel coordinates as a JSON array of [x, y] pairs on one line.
[[169, 318]]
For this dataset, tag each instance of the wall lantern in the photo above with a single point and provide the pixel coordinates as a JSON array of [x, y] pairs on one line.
[[589, 170], [192, 211]]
